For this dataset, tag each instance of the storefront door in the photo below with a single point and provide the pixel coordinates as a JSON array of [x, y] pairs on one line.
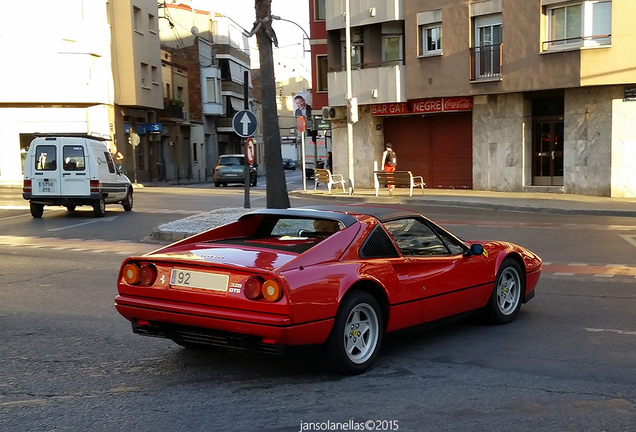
[[547, 152]]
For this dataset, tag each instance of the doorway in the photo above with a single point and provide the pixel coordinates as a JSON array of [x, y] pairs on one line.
[[547, 151]]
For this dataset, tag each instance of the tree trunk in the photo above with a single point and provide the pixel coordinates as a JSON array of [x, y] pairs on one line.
[[276, 189]]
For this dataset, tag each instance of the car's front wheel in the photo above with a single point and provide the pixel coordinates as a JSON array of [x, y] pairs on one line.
[[507, 295], [357, 333]]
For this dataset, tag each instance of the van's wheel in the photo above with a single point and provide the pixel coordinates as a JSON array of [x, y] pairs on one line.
[[37, 210], [99, 207], [357, 333], [70, 208], [127, 203]]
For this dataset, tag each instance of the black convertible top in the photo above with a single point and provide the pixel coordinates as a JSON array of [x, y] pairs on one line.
[[341, 213]]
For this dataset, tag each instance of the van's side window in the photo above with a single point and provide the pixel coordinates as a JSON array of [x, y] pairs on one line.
[[45, 158], [74, 159], [110, 162]]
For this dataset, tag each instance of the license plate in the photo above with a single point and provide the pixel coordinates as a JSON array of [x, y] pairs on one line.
[[194, 279], [46, 186], [232, 175]]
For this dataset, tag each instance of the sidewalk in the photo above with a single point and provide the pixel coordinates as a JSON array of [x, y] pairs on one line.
[[509, 201]]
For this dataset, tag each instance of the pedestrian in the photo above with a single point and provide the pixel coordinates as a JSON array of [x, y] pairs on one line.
[[389, 162], [329, 164]]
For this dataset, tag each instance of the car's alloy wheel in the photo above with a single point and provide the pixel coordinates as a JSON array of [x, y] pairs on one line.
[[357, 333], [37, 210], [99, 207], [507, 294], [127, 204]]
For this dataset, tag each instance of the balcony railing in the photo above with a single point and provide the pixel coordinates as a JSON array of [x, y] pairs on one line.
[[486, 62], [579, 41]]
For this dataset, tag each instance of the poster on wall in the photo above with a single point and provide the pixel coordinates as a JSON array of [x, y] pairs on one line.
[[302, 104]]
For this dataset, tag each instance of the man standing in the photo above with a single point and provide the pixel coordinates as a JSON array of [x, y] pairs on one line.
[[389, 162]]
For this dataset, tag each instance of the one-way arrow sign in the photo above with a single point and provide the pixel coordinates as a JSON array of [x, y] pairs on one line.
[[244, 123]]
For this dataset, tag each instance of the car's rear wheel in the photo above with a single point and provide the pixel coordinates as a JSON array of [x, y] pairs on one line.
[[37, 210], [506, 298], [99, 207], [127, 203], [357, 333]]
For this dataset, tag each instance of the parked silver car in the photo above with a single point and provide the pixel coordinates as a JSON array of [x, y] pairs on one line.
[[230, 169]]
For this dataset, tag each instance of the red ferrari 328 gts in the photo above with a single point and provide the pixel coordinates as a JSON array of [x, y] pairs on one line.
[[339, 277]]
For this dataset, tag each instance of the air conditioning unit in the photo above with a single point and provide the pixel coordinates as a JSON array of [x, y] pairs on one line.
[[334, 113]]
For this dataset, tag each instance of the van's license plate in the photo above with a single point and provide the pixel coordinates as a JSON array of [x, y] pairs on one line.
[[193, 279], [46, 186]]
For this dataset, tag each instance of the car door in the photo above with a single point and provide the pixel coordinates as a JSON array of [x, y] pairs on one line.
[[75, 176], [448, 281]]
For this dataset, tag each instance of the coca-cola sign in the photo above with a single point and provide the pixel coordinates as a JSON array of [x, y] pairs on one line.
[[424, 106]]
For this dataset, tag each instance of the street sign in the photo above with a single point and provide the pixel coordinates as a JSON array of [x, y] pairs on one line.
[[250, 151], [244, 123], [301, 124]]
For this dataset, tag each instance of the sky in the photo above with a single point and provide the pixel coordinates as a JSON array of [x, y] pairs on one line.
[[290, 37]]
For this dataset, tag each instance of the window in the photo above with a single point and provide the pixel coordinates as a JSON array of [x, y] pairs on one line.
[[195, 157], [429, 25], [210, 90], [415, 238], [487, 50], [154, 73], [430, 42], [136, 19], [585, 23], [144, 75], [45, 158], [152, 23], [319, 10], [73, 157], [356, 55], [321, 73], [110, 162], [391, 50]]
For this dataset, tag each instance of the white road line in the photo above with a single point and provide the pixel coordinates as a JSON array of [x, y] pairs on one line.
[[603, 275], [622, 332], [578, 265]]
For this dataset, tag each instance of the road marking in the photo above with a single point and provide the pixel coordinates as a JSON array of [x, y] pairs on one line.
[[600, 270], [86, 222], [631, 239], [78, 245], [622, 332]]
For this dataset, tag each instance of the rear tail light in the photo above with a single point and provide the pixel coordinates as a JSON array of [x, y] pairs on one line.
[[131, 273], [94, 185], [145, 274], [272, 291], [253, 288], [27, 186]]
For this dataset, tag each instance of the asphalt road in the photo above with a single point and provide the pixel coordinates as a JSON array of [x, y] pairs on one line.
[[68, 361]]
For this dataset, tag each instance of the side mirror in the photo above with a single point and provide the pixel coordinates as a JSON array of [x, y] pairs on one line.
[[476, 249]]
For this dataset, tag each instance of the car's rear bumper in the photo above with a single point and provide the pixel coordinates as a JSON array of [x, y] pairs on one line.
[[162, 317]]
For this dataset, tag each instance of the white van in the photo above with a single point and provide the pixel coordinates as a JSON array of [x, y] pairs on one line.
[[73, 170]]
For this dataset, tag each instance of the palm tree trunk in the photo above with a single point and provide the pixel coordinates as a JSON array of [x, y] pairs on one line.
[[276, 189]]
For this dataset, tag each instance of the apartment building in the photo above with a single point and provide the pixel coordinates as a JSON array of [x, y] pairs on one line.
[[491, 95], [65, 78]]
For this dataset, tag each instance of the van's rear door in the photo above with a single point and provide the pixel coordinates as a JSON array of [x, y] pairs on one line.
[[75, 171], [46, 180]]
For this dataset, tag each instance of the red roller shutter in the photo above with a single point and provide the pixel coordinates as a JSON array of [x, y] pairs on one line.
[[437, 147]]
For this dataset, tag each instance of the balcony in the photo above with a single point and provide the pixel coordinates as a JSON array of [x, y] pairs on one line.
[[371, 83], [576, 43], [486, 62]]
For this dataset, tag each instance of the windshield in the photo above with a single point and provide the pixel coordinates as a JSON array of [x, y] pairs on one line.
[[231, 160]]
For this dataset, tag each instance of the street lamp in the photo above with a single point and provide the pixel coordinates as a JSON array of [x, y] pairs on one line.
[[278, 18]]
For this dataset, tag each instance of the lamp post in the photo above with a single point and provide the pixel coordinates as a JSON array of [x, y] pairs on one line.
[[278, 18], [349, 96]]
